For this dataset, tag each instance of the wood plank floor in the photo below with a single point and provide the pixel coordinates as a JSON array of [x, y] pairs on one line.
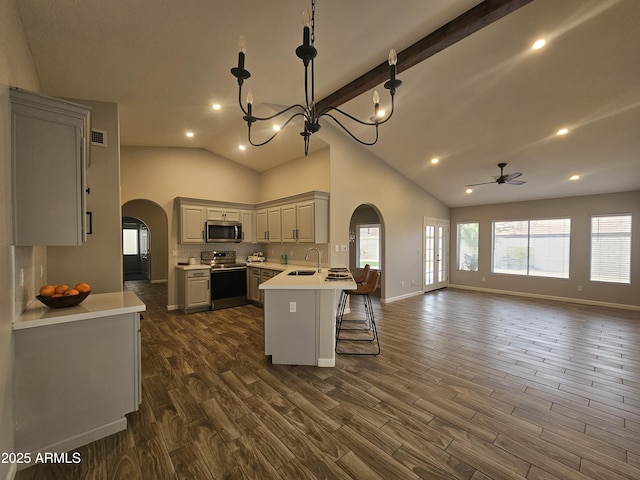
[[468, 386]]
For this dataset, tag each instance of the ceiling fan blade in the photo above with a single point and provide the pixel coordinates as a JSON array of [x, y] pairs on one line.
[[511, 176], [515, 182], [476, 184]]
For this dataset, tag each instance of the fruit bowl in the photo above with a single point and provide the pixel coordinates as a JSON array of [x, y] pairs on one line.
[[63, 302]]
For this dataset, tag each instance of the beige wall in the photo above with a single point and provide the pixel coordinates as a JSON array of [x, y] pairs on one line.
[[99, 260], [358, 177], [579, 209], [16, 69], [297, 176]]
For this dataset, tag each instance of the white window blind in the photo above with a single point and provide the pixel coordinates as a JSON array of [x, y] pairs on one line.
[[537, 248], [611, 248]]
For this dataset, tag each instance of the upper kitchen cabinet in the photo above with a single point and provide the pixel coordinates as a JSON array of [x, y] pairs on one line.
[[49, 151], [305, 219], [192, 220], [223, 214]]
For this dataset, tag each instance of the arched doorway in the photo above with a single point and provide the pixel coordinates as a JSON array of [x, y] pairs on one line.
[[366, 240], [136, 264], [155, 218]]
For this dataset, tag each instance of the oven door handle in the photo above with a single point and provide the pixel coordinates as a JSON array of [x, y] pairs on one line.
[[229, 269]]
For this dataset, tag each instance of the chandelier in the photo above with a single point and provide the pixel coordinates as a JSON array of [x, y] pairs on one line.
[[311, 116]]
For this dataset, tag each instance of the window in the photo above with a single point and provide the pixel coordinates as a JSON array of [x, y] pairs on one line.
[[368, 245], [130, 241], [468, 246], [532, 247], [611, 248]]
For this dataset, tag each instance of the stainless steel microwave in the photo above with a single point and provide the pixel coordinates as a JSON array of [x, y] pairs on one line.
[[223, 232]]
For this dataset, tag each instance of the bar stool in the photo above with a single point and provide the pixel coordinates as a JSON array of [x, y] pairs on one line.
[[368, 332], [342, 303]]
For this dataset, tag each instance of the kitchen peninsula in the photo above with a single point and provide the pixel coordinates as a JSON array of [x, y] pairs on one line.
[[299, 316]]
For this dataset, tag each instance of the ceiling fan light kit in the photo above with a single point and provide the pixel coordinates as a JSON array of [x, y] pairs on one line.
[[502, 179], [311, 116]]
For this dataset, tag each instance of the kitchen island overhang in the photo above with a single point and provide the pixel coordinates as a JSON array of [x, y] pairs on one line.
[[300, 316]]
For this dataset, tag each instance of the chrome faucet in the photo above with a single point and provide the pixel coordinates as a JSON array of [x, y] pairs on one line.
[[306, 257]]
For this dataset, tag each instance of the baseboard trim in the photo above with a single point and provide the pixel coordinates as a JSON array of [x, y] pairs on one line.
[[11, 474], [326, 362], [71, 443], [172, 307], [162, 280], [400, 297], [581, 301]]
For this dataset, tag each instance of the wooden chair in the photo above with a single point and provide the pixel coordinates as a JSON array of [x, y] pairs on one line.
[[366, 332]]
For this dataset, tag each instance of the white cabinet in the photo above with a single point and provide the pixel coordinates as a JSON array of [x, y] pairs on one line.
[[49, 151], [75, 381], [218, 213], [194, 289], [299, 225], [256, 277], [192, 224], [269, 225], [247, 218]]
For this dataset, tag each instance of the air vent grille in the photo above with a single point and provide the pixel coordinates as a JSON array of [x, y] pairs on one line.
[[99, 138]]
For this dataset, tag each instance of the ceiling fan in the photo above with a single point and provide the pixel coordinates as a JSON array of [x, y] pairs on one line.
[[510, 179]]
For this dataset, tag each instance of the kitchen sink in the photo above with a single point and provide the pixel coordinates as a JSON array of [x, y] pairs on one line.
[[302, 272]]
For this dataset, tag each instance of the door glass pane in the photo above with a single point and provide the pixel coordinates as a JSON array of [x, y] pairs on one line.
[[129, 241], [441, 256], [430, 254]]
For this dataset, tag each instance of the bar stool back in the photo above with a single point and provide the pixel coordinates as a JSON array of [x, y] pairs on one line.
[[367, 331]]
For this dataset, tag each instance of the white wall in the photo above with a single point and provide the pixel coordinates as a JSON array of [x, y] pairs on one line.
[[16, 69], [358, 177], [99, 260], [579, 210]]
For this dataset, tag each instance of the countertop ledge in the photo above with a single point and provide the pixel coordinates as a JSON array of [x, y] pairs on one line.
[[317, 281], [94, 306]]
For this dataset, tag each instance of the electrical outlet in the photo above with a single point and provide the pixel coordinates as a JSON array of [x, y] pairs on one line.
[[579, 288], [292, 307]]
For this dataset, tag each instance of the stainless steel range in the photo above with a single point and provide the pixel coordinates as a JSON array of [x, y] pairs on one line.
[[228, 279]]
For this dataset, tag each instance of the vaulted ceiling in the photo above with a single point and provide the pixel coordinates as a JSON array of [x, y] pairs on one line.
[[486, 99]]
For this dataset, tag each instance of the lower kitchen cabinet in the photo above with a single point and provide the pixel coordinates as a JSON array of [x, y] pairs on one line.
[[256, 277], [77, 372], [194, 289]]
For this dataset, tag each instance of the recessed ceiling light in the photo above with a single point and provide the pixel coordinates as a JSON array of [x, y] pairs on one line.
[[562, 131], [189, 134], [435, 160], [276, 128], [216, 106], [468, 190], [538, 44], [242, 147], [574, 177]]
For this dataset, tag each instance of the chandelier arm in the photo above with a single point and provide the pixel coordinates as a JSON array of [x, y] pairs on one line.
[[276, 133], [326, 110], [351, 134]]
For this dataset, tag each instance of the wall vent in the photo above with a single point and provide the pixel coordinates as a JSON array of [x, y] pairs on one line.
[[99, 138]]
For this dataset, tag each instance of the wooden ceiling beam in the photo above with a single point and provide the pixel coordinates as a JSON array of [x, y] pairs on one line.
[[471, 21]]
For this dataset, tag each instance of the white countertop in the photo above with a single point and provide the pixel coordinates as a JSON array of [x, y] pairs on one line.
[[317, 281], [272, 265], [94, 306], [195, 266]]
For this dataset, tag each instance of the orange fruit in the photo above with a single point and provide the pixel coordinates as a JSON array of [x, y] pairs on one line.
[[56, 295], [70, 292], [62, 288], [83, 287], [47, 290]]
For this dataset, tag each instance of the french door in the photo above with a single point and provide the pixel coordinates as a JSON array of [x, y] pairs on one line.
[[436, 254]]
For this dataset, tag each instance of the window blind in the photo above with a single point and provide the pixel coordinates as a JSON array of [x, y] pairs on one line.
[[611, 248]]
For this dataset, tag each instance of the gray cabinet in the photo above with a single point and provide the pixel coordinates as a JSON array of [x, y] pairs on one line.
[[194, 289], [75, 381], [49, 153], [256, 277], [192, 220]]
